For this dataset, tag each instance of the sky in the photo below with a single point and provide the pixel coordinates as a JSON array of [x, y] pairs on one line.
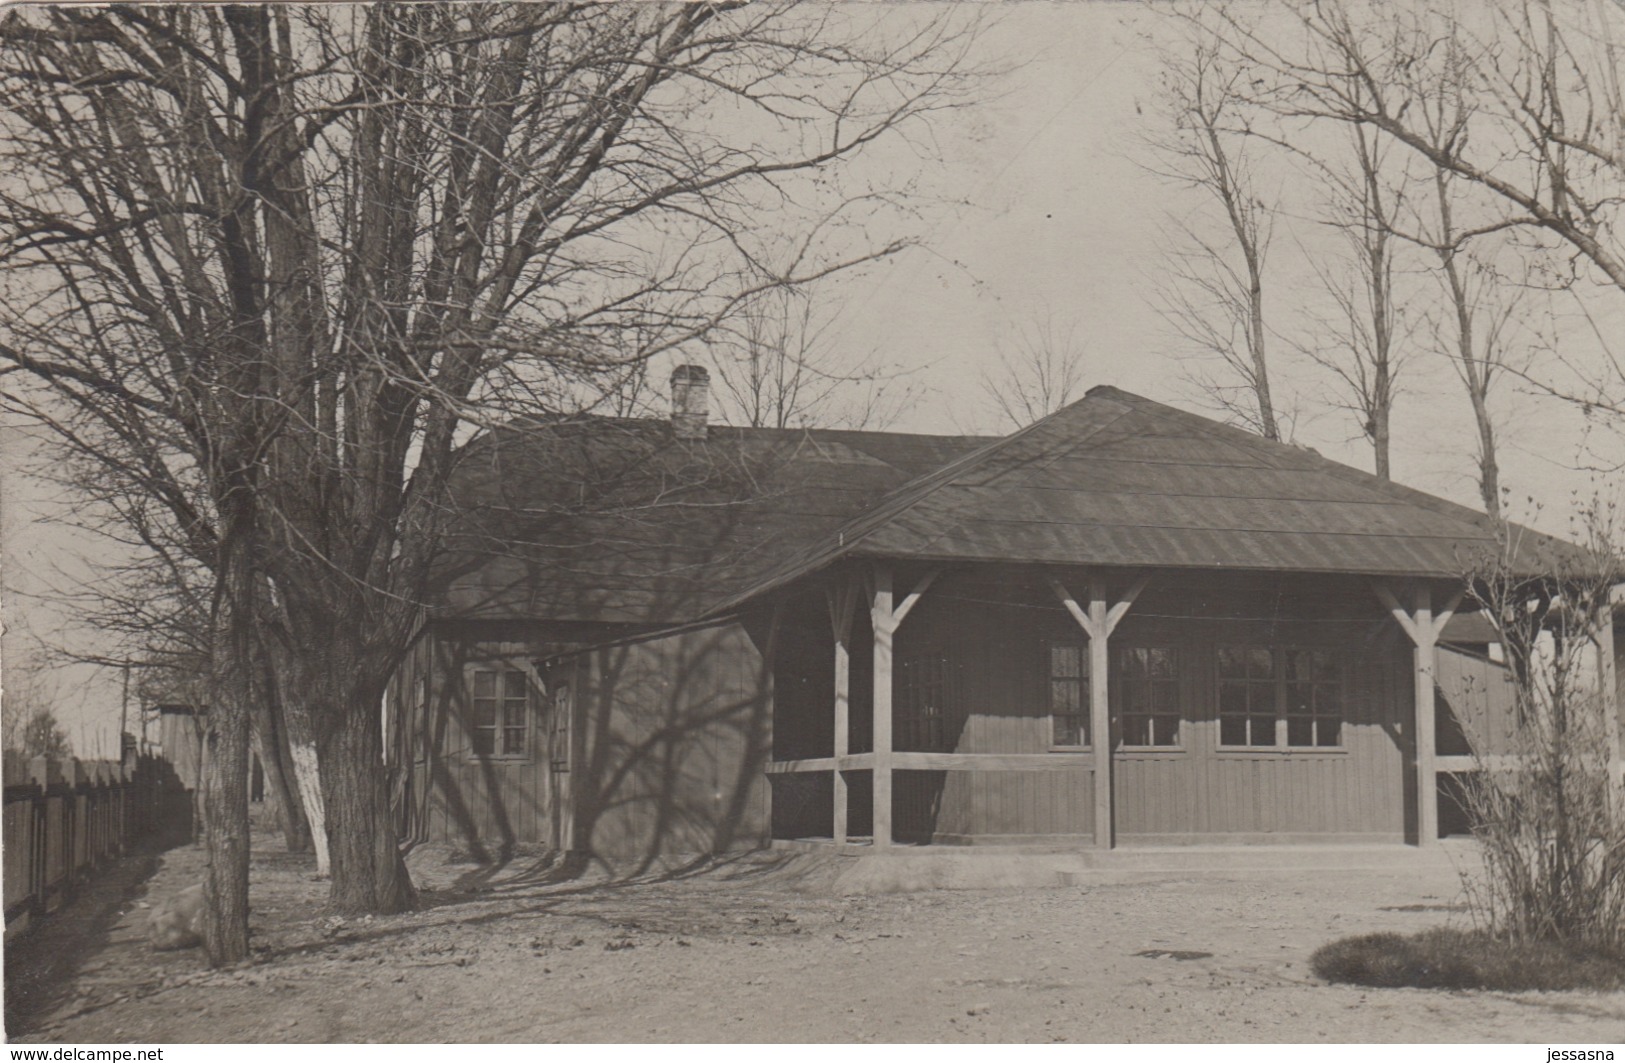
[[1038, 206]]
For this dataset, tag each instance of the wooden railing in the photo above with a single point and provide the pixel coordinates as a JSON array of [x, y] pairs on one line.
[[67, 820]]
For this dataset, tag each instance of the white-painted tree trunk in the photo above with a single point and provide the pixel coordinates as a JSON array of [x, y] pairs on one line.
[[302, 744]]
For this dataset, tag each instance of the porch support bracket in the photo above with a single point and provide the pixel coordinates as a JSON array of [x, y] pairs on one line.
[[1098, 622], [1423, 626]]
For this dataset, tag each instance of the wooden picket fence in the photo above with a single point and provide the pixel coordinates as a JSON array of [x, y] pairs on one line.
[[67, 820]]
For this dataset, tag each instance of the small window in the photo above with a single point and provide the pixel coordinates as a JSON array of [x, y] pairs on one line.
[[1068, 695], [1149, 688], [500, 707], [1280, 696], [922, 705]]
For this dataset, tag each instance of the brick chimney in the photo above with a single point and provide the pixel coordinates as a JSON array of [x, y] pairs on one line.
[[690, 401]]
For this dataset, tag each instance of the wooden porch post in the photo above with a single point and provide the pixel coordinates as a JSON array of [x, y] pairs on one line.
[[1423, 650], [1100, 713], [880, 613], [1099, 623], [1423, 627], [842, 602], [885, 619]]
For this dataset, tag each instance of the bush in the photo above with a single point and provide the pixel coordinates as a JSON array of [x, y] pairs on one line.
[[1549, 811], [1466, 959]]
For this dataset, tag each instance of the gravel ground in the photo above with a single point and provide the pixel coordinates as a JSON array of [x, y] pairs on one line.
[[736, 953]]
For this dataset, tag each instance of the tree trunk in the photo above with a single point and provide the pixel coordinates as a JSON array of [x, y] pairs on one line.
[[1489, 470], [369, 874], [1256, 347], [225, 819], [225, 804], [272, 748], [302, 750], [1475, 374], [1382, 414]]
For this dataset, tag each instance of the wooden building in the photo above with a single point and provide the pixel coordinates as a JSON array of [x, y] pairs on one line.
[[180, 742], [1123, 624]]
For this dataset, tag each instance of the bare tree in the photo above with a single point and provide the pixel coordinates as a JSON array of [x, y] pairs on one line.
[[777, 369], [1213, 293], [1539, 153], [1550, 822], [281, 259], [21, 693], [151, 602], [1477, 329], [30, 724], [1040, 370], [43, 736], [1480, 334], [1359, 344]]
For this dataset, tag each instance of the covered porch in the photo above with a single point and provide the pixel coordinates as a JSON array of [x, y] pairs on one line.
[[959, 704]]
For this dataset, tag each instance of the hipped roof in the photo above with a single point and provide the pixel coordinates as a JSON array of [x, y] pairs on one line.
[[1113, 479], [613, 520]]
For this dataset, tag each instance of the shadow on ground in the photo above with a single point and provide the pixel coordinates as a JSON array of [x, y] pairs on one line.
[[44, 962]]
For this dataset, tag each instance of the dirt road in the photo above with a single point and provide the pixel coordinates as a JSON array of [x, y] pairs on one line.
[[734, 954]]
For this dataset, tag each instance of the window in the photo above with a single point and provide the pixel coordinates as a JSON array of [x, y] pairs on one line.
[[1280, 695], [1314, 698], [1246, 696], [1149, 692], [920, 714], [1068, 695], [501, 711], [558, 730]]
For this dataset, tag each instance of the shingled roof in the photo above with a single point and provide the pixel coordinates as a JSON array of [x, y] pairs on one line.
[[609, 519], [1111, 480]]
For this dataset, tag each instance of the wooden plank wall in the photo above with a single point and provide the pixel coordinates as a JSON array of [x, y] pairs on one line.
[[1477, 708], [676, 734], [994, 637], [1015, 806], [995, 633], [1356, 790], [181, 737], [485, 804], [669, 738], [804, 682]]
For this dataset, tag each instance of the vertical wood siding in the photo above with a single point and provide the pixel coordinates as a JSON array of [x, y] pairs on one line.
[[483, 804], [671, 734], [669, 738], [1010, 806], [1476, 705], [995, 633], [1357, 789], [677, 732]]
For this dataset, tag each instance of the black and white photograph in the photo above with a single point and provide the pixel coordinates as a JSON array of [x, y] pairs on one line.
[[840, 521]]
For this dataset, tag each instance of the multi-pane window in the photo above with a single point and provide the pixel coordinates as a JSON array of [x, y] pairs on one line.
[[1275, 695], [1068, 694], [1314, 698], [922, 705], [500, 705], [1148, 686], [1247, 696]]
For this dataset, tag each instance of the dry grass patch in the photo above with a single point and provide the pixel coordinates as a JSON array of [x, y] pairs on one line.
[[1465, 959]]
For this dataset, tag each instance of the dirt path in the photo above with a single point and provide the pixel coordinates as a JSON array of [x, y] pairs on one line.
[[734, 955]]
